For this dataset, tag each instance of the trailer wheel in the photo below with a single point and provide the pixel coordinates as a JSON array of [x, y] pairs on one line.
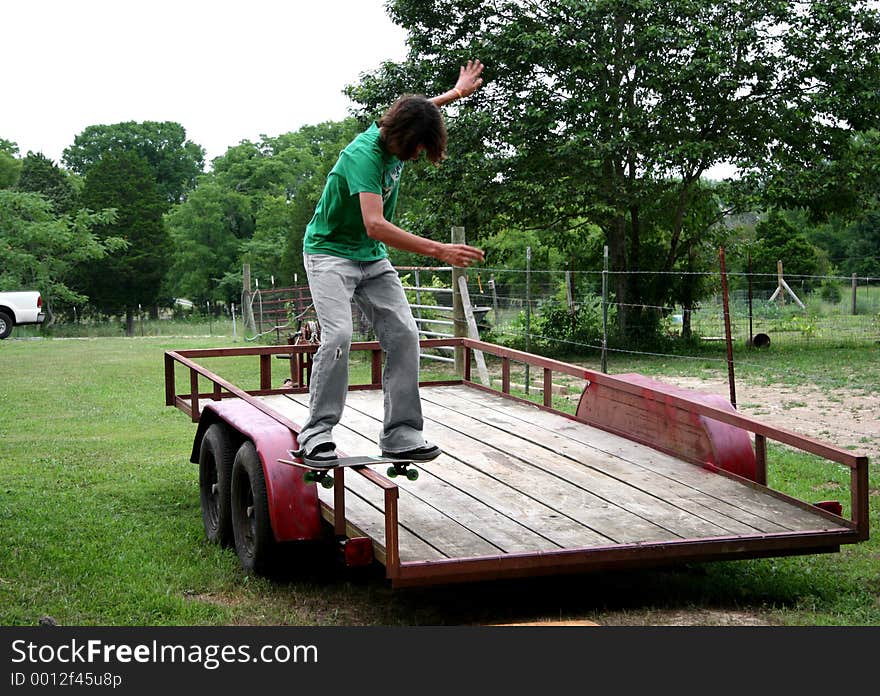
[[251, 525], [6, 325], [215, 474]]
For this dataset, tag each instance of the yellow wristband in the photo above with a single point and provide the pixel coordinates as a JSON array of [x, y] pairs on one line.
[[458, 92]]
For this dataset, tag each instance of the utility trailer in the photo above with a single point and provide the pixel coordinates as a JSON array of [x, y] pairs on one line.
[[641, 475]]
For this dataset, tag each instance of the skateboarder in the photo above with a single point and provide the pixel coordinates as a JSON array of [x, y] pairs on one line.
[[345, 256]]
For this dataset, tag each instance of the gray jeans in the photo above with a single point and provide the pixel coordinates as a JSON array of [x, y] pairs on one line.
[[377, 290]]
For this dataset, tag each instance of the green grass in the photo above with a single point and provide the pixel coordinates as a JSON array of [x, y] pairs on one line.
[[100, 520]]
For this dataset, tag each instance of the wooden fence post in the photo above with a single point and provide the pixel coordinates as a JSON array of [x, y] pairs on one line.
[[458, 317]]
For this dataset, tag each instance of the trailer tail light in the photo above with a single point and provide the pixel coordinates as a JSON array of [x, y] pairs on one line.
[[832, 506], [39, 301], [358, 552]]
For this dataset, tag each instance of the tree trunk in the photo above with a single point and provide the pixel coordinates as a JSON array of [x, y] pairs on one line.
[[617, 257], [129, 322]]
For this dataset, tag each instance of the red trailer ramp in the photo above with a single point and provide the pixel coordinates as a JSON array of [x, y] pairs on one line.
[[522, 489]]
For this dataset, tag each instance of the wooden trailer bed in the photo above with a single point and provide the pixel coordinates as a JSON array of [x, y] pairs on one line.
[[522, 489]]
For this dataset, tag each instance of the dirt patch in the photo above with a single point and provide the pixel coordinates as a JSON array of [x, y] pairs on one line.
[[848, 420], [843, 418], [678, 617]]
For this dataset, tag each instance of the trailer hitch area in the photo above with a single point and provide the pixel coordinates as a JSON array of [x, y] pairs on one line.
[[357, 552]]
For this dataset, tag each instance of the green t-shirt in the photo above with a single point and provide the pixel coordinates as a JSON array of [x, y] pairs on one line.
[[337, 227]]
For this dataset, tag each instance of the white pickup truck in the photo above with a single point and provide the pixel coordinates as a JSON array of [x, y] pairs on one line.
[[18, 308]]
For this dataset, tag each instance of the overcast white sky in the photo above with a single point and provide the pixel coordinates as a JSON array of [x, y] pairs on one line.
[[227, 71]]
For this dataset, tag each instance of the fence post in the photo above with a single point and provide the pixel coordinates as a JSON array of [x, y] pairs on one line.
[[605, 311], [727, 335], [458, 318], [528, 310], [569, 298], [855, 287], [751, 333], [419, 301], [779, 281], [494, 300], [247, 309]]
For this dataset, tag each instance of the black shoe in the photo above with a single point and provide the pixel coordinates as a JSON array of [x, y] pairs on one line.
[[419, 454], [323, 455]]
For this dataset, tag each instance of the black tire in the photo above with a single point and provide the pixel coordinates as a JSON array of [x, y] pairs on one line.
[[6, 325], [216, 456], [251, 526]]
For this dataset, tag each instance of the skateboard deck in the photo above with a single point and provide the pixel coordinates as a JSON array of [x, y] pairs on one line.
[[319, 474]]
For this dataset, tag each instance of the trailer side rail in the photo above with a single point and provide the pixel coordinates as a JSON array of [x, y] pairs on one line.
[[405, 573]]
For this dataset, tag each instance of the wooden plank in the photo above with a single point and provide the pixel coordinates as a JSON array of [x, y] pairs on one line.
[[719, 512], [550, 468], [610, 519], [474, 491], [445, 529], [362, 519], [503, 531], [721, 488]]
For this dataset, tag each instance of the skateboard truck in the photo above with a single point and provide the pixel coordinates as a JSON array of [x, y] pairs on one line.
[[402, 469], [321, 474]]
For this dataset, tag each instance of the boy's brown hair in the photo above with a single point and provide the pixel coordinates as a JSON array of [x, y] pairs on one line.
[[411, 121]]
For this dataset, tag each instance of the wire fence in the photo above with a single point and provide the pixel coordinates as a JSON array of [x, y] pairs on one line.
[[577, 315]]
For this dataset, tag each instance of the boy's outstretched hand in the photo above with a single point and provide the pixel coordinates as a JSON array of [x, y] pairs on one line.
[[460, 255], [469, 80]]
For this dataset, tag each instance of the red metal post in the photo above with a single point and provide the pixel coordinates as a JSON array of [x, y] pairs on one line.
[[194, 394], [761, 460], [339, 501], [169, 380], [265, 371], [859, 497], [377, 366], [727, 335], [392, 551]]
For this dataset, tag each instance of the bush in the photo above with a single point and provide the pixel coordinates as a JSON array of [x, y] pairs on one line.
[[830, 292], [555, 330]]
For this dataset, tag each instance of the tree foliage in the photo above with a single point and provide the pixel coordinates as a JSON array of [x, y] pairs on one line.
[[126, 278], [175, 161], [598, 110], [777, 239], [10, 165], [41, 175], [253, 208], [40, 248]]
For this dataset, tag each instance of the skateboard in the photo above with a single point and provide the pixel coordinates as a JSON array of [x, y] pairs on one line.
[[319, 474]]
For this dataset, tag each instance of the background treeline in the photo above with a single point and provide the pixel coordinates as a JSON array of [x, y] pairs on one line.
[[597, 126]]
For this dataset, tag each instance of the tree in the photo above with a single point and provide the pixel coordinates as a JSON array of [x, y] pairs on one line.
[[206, 232], [41, 249], [777, 239], [125, 279], [596, 110], [175, 161], [252, 208], [41, 175], [863, 251], [10, 165]]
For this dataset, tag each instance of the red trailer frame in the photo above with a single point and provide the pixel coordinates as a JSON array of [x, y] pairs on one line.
[[696, 428]]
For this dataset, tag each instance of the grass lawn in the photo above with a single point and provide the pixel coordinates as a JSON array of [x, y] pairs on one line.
[[100, 520]]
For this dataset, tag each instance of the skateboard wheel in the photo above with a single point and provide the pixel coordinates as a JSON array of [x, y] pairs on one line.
[[309, 477], [392, 472], [412, 474], [327, 482]]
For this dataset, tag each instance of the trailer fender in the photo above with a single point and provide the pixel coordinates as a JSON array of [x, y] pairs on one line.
[[294, 509], [668, 427]]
